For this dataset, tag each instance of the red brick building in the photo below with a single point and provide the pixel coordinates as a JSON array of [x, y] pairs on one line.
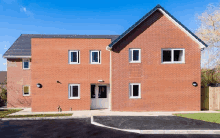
[[152, 66]]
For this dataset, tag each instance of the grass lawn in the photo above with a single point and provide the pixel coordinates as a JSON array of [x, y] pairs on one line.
[[208, 117], [38, 115], [3, 113]]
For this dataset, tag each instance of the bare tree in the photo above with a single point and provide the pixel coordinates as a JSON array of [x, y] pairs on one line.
[[209, 32]]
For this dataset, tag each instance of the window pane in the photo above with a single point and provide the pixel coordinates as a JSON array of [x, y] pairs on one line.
[[178, 55], [74, 91], [94, 56], [73, 56], [135, 90], [26, 64], [166, 55], [26, 89], [135, 55], [92, 91], [102, 92]]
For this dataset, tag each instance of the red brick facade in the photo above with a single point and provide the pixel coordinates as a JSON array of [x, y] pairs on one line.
[[16, 78], [50, 64], [164, 87]]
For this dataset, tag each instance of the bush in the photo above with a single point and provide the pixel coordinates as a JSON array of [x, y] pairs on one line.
[[210, 76], [3, 93]]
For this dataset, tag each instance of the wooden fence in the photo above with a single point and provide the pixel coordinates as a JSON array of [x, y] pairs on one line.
[[210, 98]]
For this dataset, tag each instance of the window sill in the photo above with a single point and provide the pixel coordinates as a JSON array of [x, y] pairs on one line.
[[74, 98], [135, 62], [25, 68], [26, 95], [95, 63], [74, 63], [134, 97], [173, 63]]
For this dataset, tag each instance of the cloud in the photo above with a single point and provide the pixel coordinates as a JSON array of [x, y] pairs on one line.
[[23, 9]]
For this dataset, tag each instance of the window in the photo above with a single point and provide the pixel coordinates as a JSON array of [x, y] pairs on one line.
[[135, 90], [92, 91], [95, 57], [74, 56], [134, 55], [26, 63], [26, 90], [74, 91], [173, 55]]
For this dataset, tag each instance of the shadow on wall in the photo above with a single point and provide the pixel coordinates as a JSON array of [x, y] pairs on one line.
[[137, 31]]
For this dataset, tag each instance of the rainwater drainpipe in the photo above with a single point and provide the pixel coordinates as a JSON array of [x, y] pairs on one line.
[[110, 78]]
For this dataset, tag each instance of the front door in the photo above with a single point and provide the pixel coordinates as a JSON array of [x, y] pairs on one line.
[[99, 97]]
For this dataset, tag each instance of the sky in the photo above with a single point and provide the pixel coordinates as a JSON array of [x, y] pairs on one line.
[[97, 17]]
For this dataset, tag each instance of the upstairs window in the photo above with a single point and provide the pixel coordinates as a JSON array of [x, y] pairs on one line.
[[26, 64], [95, 57], [135, 90], [74, 91], [74, 56], [26, 90], [134, 55], [173, 56]]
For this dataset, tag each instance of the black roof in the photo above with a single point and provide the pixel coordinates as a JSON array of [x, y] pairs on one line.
[[146, 16], [22, 46]]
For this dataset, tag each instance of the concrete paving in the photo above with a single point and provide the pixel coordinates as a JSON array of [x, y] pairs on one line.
[[106, 112]]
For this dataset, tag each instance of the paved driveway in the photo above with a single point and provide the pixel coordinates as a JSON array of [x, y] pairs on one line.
[[70, 128], [155, 123]]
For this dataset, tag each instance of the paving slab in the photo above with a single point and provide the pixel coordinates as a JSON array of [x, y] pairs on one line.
[[155, 123]]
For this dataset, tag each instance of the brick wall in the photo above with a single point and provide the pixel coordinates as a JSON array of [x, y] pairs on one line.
[[16, 77], [50, 64], [164, 87]]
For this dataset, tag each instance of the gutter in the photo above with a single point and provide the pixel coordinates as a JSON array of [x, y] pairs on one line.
[[110, 77], [16, 56]]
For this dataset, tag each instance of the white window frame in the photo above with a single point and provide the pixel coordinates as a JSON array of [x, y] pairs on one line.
[[69, 96], [131, 55], [29, 90], [172, 56], [24, 60], [78, 56], [99, 61], [131, 91]]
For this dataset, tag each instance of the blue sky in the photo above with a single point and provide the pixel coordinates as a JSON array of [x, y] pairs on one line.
[[84, 17]]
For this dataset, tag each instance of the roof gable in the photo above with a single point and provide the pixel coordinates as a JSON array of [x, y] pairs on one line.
[[170, 17]]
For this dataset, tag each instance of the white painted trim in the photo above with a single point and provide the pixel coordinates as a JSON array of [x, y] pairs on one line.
[[69, 96], [28, 88], [16, 56], [131, 60], [23, 63], [131, 90], [78, 56], [183, 29], [91, 51], [110, 80], [172, 56]]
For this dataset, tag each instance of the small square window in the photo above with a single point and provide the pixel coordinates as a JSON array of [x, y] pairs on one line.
[[134, 55], [74, 56], [173, 56], [26, 90], [95, 57], [135, 90], [74, 91], [26, 63]]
